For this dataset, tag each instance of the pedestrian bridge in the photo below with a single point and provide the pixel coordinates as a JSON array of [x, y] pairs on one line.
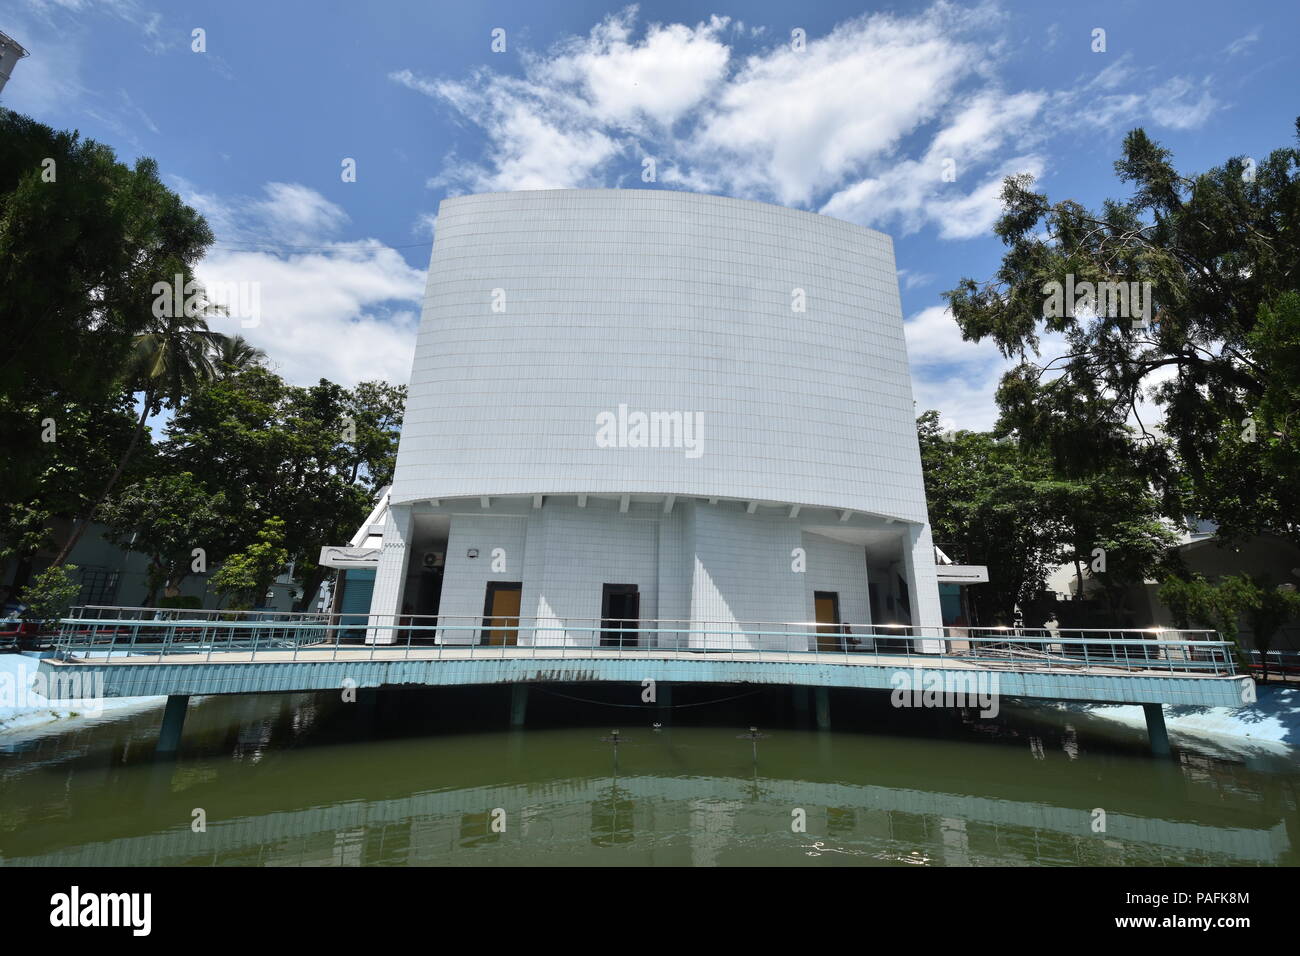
[[128, 652]]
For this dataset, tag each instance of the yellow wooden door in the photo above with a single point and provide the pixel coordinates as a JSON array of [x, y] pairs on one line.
[[828, 625], [504, 613]]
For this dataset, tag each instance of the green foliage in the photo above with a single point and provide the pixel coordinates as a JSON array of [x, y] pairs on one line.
[[1225, 603], [1009, 507], [1219, 250], [166, 517], [182, 601], [68, 472], [314, 456], [78, 259], [50, 594], [988, 498], [245, 576]]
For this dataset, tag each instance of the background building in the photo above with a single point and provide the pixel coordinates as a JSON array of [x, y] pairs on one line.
[[653, 405], [11, 52]]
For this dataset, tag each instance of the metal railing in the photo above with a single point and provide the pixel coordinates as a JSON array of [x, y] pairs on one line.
[[96, 633]]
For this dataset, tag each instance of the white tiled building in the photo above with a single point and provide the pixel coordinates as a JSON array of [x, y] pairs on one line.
[[774, 477]]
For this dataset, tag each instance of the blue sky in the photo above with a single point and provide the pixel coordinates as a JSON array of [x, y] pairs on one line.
[[253, 130]]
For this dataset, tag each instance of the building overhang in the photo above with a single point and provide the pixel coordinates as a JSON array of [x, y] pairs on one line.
[[332, 556], [961, 573]]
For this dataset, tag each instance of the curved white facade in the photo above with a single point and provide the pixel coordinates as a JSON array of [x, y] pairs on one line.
[[547, 311], [657, 406]]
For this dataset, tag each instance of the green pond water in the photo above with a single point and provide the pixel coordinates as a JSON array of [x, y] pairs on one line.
[[394, 781]]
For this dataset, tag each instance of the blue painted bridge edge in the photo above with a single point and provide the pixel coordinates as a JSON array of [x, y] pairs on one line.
[[261, 677]]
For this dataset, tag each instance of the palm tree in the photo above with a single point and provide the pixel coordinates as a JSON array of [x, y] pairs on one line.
[[235, 354], [167, 363]]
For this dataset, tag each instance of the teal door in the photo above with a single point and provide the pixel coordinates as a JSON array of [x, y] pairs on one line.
[[354, 604]]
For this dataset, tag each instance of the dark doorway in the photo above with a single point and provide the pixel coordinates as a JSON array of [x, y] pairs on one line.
[[501, 613], [620, 613]]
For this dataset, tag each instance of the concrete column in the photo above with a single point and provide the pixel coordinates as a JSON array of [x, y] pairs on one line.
[[799, 695], [390, 576], [169, 738], [518, 704], [923, 588], [823, 698], [664, 698], [1156, 731]]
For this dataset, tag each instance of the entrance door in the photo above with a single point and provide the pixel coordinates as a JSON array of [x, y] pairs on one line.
[[620, 613], [500, 611], [827, 604]]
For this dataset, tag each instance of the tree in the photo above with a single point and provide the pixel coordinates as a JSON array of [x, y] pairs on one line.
[[313, 456], [168, 363], [1218, 254], [1271, 608], [87, 440], [246, 575], [1112, 526], [50, 595], [1223, 604], [990, 500], [235, 354], [83, 240], [1009, 507], [1194, 600], [166, 518]]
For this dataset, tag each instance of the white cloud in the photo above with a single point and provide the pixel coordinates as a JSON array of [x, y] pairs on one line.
[[792, 124], [1176, 104], [957, 377], [1242, 43], [661, 78], [933, 338], [346, 311]]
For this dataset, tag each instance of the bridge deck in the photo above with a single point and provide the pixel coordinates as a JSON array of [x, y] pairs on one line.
[[137, 653]]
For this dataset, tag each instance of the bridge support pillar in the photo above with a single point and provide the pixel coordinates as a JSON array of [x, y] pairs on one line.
[[1156, 731], [664, 698], [823, 697], [799, 695], [169, 738], [518, 704]]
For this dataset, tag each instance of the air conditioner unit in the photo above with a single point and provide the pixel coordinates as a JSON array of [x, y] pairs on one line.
[[433, 559]]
